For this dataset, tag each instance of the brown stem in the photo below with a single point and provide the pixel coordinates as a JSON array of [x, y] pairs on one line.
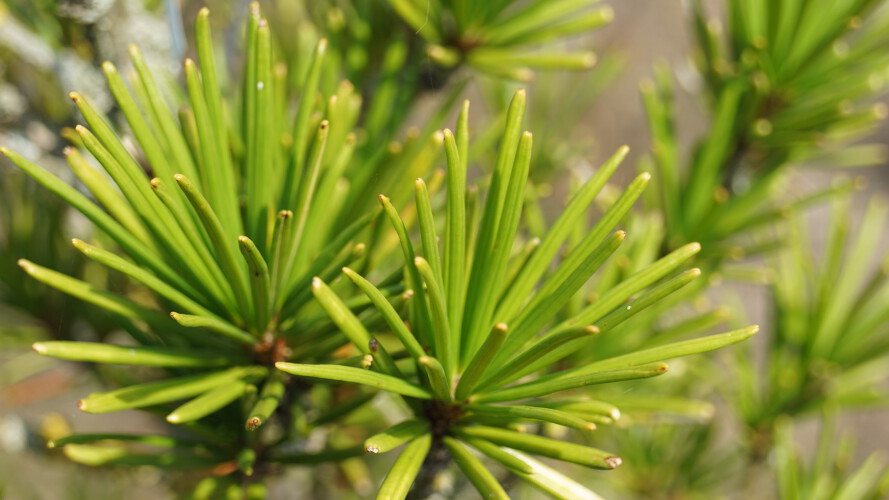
[[436, 461]]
